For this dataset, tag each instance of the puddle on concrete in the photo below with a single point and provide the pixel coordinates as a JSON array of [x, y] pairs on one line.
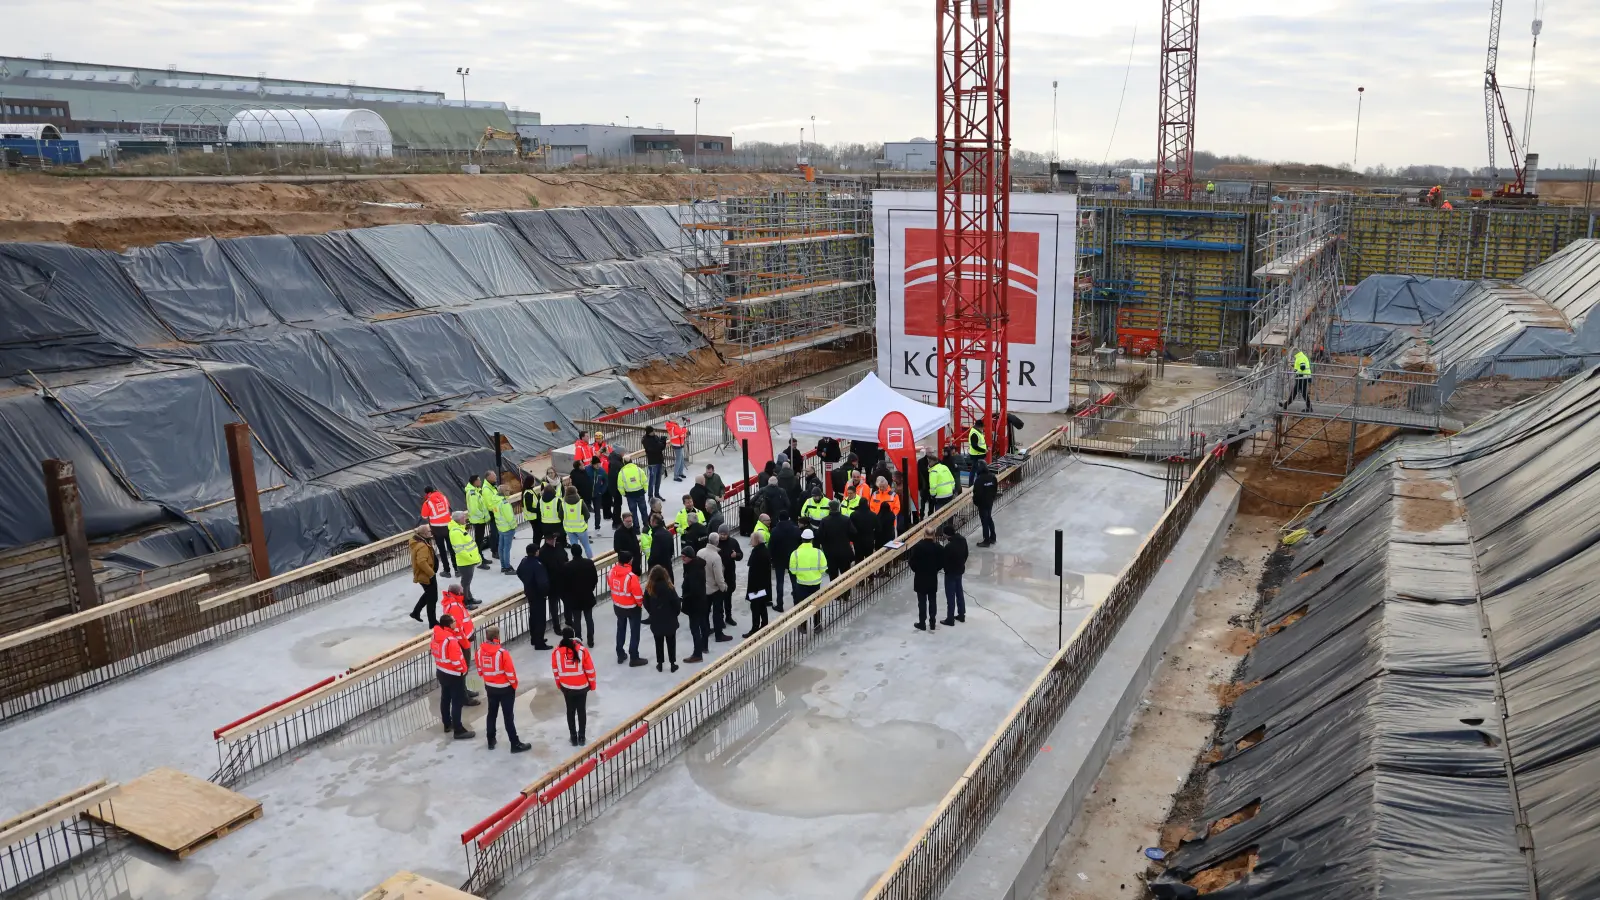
[[1120, 530], [342, 648], [127, 874], [393, 806], [779, 755]]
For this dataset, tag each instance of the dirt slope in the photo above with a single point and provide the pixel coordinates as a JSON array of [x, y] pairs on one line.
[[116, 213]]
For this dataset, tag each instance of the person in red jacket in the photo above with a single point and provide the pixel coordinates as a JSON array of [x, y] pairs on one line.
[[574, 670], [454, 605], [582, 449], [450, 665], [500, 683], [627, 601], [436, 512]]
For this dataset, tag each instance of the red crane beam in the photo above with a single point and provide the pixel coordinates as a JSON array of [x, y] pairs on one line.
[[1180, 40], [974, 213]]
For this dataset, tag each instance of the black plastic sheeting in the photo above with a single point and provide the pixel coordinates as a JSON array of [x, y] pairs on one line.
[[1372, 739], [89, 285], [1401, 299], [303, 361], [352, 275], [441, 359], [374, 367], [487, 252], [194, 289], [539, 231], [275, 269], [641, 329], [590, 242], [37, 338], [419, 265], [589, 343], [525, 354]]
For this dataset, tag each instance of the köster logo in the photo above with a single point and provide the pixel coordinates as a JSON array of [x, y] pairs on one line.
[[922, 288]]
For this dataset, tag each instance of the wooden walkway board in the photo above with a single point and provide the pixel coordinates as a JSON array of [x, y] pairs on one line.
[[180, 813], [410, 886]]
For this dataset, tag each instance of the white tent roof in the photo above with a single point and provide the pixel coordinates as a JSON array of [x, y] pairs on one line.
[[855, 414]]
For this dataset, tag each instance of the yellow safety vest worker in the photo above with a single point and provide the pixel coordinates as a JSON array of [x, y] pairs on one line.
[[765, 532], [505, 517], [814, 509], [646, 541], [1302, 364], [632, 480], [572, 518], [941, 483], [530, 504], [464, 545], [550, 510], [477, 511], [976, 444], [682, 521], [807, 564], [850, 502]]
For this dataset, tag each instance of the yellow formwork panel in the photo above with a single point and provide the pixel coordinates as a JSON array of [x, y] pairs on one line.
[[1461, 243]]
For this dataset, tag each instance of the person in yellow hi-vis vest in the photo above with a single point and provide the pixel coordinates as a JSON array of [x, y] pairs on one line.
[[1302, 380], [478, 510], [807, 564], [505, 526], [941, 484], [465, 548]]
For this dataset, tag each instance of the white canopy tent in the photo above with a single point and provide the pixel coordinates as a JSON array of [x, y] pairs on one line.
[[855, 414], [353, 132]]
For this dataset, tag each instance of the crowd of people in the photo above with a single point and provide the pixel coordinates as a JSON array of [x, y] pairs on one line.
[[668, 573]]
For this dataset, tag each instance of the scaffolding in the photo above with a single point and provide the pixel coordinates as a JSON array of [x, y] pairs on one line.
[[1180, 277], [1301, 276], [784, 270]]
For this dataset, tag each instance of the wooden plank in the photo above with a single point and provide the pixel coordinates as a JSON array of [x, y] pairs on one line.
[[411, 886], [100, 612], [280, 580], [21, 827], [179, 813]]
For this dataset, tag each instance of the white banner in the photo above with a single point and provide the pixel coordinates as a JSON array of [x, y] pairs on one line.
[[1043, 259]]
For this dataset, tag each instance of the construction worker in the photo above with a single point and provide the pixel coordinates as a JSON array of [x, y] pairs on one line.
[[655, 459], [530, 506], [582, 449], [855, 494], [454, 605], [678, 437], [1302, 380], [941, 485], [627, 600], [550, 514], [807, 564], [575, 520], [977, 444], [1211, 187], [425, 571], [885, 504], [505, 526], [815, 508], [574, 671], [763, 528], [633, 483], [465, 548], [490, 542], [500, 683], [602, 450], [436, 512], [687, 518], [1446, 205], [450, 667], [478, 512]]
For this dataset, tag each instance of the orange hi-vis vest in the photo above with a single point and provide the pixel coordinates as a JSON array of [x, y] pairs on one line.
[[436, 509], [581, 451], [454, 606], [574, 674], [496, 667], [626, 592], [676, 434], [446, 650], [879, 498]]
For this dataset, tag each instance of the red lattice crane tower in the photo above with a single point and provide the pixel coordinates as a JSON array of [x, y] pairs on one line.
[[974, 214], [1180, 37]]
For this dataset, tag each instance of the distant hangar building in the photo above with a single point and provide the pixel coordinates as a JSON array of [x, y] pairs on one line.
[[95, 97]]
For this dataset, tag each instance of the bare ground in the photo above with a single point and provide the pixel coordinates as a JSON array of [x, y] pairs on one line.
[[1102, 856]]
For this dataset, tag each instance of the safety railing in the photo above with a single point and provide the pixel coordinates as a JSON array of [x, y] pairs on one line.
[[59, 659], [369, 688], [42, 843], [931, 858], [1373, 396], [552, 809], [660, 410], [1552, 367]]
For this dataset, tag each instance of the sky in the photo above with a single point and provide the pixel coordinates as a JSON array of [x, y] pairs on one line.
[[1276, 80]]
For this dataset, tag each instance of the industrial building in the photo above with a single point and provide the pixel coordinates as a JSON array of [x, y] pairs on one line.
[[915, 155], [98, 97], [623, 144]]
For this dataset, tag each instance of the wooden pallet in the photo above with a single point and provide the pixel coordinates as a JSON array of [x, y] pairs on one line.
[[179, 813], [410, 886]]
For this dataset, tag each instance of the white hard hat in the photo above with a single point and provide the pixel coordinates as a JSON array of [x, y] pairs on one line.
[[806, 535]]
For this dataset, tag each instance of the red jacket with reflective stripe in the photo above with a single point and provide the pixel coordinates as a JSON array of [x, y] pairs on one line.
[[495, 665], [436, 509], [570, 673], [581, 451], [446, 650], [676, 434], [455, 606], [626, 592]]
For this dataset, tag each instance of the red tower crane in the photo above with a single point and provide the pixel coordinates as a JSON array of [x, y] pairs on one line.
[[974, 214], [1494, 106], [1180, 38]]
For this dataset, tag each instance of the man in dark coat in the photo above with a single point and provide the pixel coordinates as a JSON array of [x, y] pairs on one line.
[[536, 590], [581, 481], [865, 526], [696, 605], [785, 537], [578, 584], [773, 500], [626, 538], [613, 490], [758, 583], [955, 566], [834, 533], [924, 496], [985, 487], [728, 548], [789, 482], [927, 561], [660, 544], [554, 558], [655, 460], [698, 492]]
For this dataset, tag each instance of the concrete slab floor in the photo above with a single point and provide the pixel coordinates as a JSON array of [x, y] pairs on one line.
[[813, 786], [1181, 384], [1102, 856]]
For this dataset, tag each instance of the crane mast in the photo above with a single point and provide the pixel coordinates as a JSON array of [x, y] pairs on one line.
[[1494, 107]]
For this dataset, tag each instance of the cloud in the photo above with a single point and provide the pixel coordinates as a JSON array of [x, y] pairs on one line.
[[1275, 80]]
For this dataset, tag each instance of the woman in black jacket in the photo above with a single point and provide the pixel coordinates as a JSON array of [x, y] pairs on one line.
[[758, 583], [578, 584], [662, 603], [696, 605]]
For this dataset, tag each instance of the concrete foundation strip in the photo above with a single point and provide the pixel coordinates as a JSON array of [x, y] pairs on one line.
[[67, 806], [56, 626]]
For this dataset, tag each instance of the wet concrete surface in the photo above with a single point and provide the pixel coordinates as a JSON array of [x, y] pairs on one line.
[[811, 787]]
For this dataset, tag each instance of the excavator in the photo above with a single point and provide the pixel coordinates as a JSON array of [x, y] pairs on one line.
[[528, 149]]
